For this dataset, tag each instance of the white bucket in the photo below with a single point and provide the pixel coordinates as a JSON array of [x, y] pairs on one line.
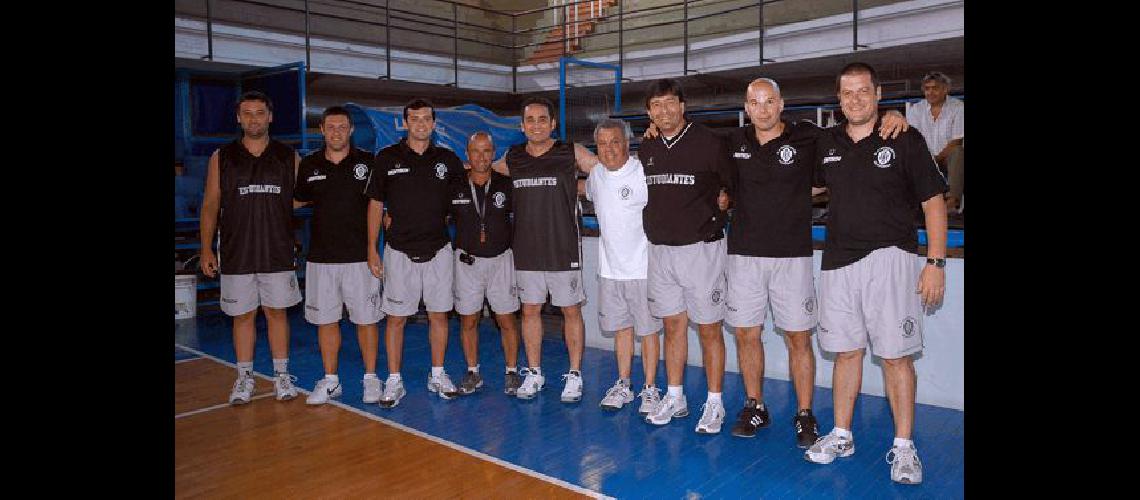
[[185, 295]]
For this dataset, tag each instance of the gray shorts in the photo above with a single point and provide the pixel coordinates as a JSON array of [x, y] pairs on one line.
[[492, 277], [242, 293], [329, 288], [688, 278], [784, 282], [405, 282], [874, 297], [564, 287], [623, 304]]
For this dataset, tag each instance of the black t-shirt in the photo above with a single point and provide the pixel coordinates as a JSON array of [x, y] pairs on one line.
[[416, 190], [545, 199], [340, 208], [876, 188], [256, 209], [773, 192], [684, 181], [494, 200]]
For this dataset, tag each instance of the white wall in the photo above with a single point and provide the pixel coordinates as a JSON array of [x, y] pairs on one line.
[[940, 366]]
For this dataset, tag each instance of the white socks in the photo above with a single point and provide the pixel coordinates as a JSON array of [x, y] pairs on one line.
[[904, 442], [281, 365], [715, 396], [675, 391]]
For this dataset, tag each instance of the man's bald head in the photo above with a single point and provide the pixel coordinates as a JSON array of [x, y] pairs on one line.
[[480, 151], [763, 103], [768, 82]]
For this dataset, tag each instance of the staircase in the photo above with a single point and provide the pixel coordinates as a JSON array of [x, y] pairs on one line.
[[581, 20]]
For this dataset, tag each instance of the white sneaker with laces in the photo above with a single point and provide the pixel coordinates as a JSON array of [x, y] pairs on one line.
[[242, 392], [650, 398], [442, 385], [393, 392], [283, 386], [827, 448], [324, 390], [905, 466], [711, 418], [669, 408], [373, 387], [617, 396], [572, 391], [531, 385]]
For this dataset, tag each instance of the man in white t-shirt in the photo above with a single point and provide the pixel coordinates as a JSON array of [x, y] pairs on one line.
[[619, 194], [942, 121]]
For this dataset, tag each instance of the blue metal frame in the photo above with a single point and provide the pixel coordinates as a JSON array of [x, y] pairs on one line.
[[562, 62]]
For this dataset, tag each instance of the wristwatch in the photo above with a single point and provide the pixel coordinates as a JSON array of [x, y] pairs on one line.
[[937, 262]]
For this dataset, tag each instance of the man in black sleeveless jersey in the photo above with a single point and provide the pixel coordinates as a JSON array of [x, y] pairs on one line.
[[250, 183], [546, 241], [685, 169], [873, 284], [484, 263], [770, 250], [414, 180], [333, 178]]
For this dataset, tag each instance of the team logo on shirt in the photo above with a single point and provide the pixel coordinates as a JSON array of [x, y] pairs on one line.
[[398, 169], [650, 162], [743, 153], [316, 176], [440, 170], [716, 296], [499, 199], [809, 305], [909, 327], [831, 157], [884, 156], [786, 154], [361, 171], [625, 192]]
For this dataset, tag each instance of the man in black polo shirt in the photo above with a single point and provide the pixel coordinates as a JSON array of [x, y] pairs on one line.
[[484, 264], [333, 178], [546, 241], [250, 182], [414, 179], [770, 251], [686, 167], [870, 284]]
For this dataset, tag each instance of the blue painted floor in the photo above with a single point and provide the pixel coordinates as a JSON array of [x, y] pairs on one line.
[[617, 453]]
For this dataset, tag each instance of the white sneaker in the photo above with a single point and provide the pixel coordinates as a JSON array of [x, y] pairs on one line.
[[532, 383], [617, 396], [373, 387], [324, 390], [711, 418], [669, 408], [827, 448], [242, 392], [650, 398], [393, 392], [443, 386], [572, 391], [905, 467], [283, 386]]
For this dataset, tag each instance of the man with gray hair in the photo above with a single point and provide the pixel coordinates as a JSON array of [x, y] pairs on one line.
[[484, 263], [619, 194], [942, 121]]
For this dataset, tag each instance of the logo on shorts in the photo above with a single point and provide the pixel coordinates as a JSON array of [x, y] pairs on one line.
[[625, 192], [499, 199], [786, 154], [394, 301], [573, 284], [515, 290], [293, 283], [716, 296], [313, 308], [361, 171], [823, 330], [374, 298], [229, 301], [650, 299], [909, 327], [884, 156], [730, 308], [809, 305], [440, 170]]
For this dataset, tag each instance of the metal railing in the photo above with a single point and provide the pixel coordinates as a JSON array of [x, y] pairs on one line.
[[570, 24]]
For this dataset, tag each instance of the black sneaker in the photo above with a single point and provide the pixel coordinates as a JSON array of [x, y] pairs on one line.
[[471, 382], [750, 418], [807, 430], [511, 383]]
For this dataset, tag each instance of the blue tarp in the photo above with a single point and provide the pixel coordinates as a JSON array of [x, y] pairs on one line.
[[377, 128]]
